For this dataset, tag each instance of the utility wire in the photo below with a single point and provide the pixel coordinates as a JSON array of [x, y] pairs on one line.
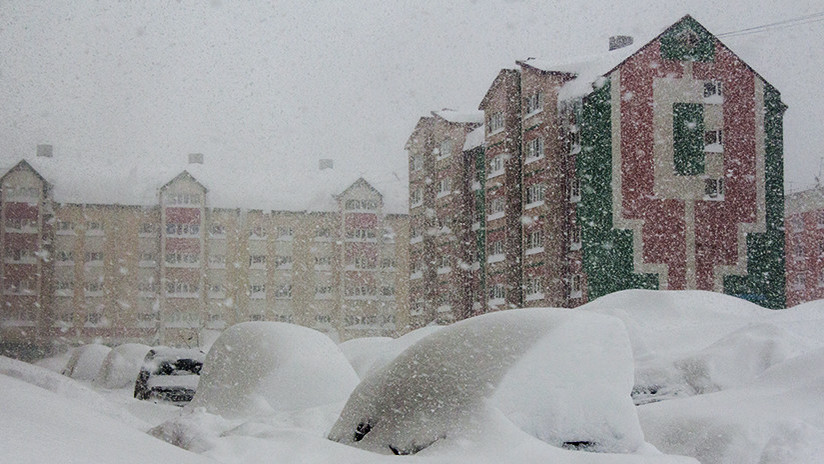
[[811, 18]]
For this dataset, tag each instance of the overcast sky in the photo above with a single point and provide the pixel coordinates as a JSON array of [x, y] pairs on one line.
[[283, 84]]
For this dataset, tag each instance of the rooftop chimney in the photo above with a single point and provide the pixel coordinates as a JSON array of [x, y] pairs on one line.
[[195, 158], [45, 151], [619, 41], [326, 164]]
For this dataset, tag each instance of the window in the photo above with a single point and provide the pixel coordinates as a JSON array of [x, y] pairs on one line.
[[285, 233], [323, 290], [496, 247], [65, 227], [257, 291], [417, 162], [497, 292], [361, 234], [800, 282], [713, 138], [575, 237], [575, 286], [93, 256], [535, 239], [387, 290], [178, 287], [416, 197], [64, 256], [21, 255], [217, 260], [65, 285], [323, 260], [257, 261], [496, 206], [496, 166], [534, 149], [178, 258], [257, 232], [360, 290], [712, 89], [184, 230], [147, 286], [446, 261], [283, 291], [446, 149], [322, 233], [388, 263], [183, 199], [688, 39], [714, 188], [535, 193], [94, 227], [444, 188], [94, 286], [534, 103], [575, 190], [798, 250], [533, 286], [572, 141], [217, 230], [283, 261], [361, 262], [495, 122], [147, 257]]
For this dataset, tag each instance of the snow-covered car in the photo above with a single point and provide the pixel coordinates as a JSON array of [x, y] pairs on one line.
[[169, 374]]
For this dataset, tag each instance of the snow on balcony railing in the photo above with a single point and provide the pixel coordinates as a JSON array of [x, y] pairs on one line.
[[496, 258], [416, 275], [533, 251], [495, 216], [534, 204], [444, 270], [535, 296]]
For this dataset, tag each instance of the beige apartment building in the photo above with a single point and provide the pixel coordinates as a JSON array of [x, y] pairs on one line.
[[165, 271]]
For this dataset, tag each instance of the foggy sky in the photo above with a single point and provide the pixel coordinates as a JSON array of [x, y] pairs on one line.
[[285, 84]]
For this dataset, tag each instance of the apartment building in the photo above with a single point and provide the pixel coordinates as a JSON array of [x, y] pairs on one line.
[[658, 165], [180, 259], [805, 245]]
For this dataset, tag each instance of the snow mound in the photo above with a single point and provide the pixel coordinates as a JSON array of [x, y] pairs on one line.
[[371, 353], [778, 418], [262, 367], [86, 361], [563, 377], [121, 366]]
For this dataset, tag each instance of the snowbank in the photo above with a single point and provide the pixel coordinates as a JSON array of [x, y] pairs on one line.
[[563, 377], [121, 366], [262, 367], [86, 361], [778, 418], [40, 426]]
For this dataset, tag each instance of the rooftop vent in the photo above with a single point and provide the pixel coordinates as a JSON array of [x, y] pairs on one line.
[[195, 158], [619, 41], [45, 151], [326, 164]]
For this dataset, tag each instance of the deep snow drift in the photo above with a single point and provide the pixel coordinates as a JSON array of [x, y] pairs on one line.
[[717, 378]]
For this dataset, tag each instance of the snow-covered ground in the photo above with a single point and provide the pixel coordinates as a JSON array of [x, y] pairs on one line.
[[634, 377]]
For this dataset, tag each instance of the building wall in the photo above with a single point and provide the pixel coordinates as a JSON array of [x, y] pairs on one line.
[[805, 246], [163, 274], [665, 228]]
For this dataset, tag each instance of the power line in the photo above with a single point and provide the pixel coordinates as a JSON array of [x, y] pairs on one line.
[[806, 19]]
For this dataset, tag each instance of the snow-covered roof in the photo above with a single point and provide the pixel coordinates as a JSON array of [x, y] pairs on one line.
[[261, 183], [450, 115], [475, 138]]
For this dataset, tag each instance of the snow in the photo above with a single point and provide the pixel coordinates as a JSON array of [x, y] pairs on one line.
[[121, 366], [263, 367], [450, 115], [475, 138], [86, 361], [733, 382], [40, 426]]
